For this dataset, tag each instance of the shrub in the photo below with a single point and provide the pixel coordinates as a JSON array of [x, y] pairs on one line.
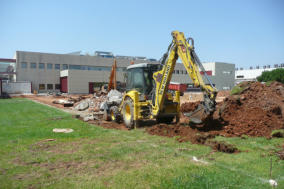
[[274, 75], [236, 90]]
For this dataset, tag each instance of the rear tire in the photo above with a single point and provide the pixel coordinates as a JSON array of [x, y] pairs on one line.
[[128, 113], [114, 114]]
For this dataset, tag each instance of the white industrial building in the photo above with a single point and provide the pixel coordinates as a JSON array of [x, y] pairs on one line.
[[252, 73], [76, 73]]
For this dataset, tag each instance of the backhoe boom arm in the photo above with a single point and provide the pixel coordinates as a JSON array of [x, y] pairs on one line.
[[180, 48]]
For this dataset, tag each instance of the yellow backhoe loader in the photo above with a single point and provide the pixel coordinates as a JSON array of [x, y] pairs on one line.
[[147, 95]]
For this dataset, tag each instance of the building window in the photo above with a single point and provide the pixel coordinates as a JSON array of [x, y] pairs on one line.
[[174, 72], [24, 65], [99, 68], [49, 86], [49, 66], [65, 66], [57, 66], [33, 65], [226, 72], [78, 67], [181, 71], [177, 71], [41, 86], [41, 66], [240, 76], [185, 72], [57, 86]]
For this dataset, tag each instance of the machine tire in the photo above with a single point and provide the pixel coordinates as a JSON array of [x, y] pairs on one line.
[[114, 114], [128, 113], [166, 120]]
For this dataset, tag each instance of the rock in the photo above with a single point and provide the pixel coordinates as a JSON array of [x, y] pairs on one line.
[[62, 130], [88, 118], [114, 96], [62, 101], [65, 103], [103, 106], [82, 106], [272, 182], [76, 116]]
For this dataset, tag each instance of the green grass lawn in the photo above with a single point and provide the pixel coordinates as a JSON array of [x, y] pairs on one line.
[[94, 157]]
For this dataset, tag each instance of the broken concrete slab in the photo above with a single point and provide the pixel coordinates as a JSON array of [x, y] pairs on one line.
[[62, 130], [65, 103], [82, 106], [114, 96], [88, 118]]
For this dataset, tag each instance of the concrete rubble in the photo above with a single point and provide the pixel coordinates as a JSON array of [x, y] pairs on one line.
[[62, 130], [63, 102], [82, 105]]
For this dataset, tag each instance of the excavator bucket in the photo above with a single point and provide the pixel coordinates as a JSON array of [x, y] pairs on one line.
[[197, 116], [202, 112]]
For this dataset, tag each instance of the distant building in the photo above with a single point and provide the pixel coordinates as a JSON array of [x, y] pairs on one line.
[[251, 74], [221, 74], [77, 73]]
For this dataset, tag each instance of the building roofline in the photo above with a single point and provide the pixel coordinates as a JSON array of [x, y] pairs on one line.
[[7, 60]]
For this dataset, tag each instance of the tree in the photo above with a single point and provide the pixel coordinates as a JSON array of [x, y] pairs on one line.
[[274, 75]]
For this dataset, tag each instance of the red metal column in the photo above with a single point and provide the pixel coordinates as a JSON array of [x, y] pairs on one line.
[[63, 85]]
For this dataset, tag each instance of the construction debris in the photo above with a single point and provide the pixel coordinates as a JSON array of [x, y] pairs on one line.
[[65, 103], [62, 130], [114, 96], [82, 106]]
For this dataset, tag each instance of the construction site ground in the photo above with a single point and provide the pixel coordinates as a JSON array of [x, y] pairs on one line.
[[33, 156], [255, 111]]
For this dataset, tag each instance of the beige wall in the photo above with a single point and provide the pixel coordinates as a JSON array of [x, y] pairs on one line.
[[78, 80]]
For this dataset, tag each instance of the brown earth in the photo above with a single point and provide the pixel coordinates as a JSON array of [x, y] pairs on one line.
[[256, 111], [186, 133]]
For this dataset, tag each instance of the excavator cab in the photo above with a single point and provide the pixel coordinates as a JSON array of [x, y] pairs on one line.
[[140, 77]]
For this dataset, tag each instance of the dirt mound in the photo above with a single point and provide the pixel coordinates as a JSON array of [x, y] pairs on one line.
[[256, 111], [186, 133]]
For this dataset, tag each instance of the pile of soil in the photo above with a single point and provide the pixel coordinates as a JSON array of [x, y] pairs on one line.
[[256, 111], [186, 133]]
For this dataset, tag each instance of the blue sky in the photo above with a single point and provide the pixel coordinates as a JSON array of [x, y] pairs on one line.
[[244, 32]]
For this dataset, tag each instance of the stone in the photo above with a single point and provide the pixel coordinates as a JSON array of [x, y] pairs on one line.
[[114, 96], [82, 106], [88, 117], [62, 130]]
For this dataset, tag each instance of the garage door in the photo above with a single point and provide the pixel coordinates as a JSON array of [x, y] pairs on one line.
[[63, 85]]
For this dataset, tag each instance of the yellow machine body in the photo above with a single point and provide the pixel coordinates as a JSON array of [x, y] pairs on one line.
[[135, 106]]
